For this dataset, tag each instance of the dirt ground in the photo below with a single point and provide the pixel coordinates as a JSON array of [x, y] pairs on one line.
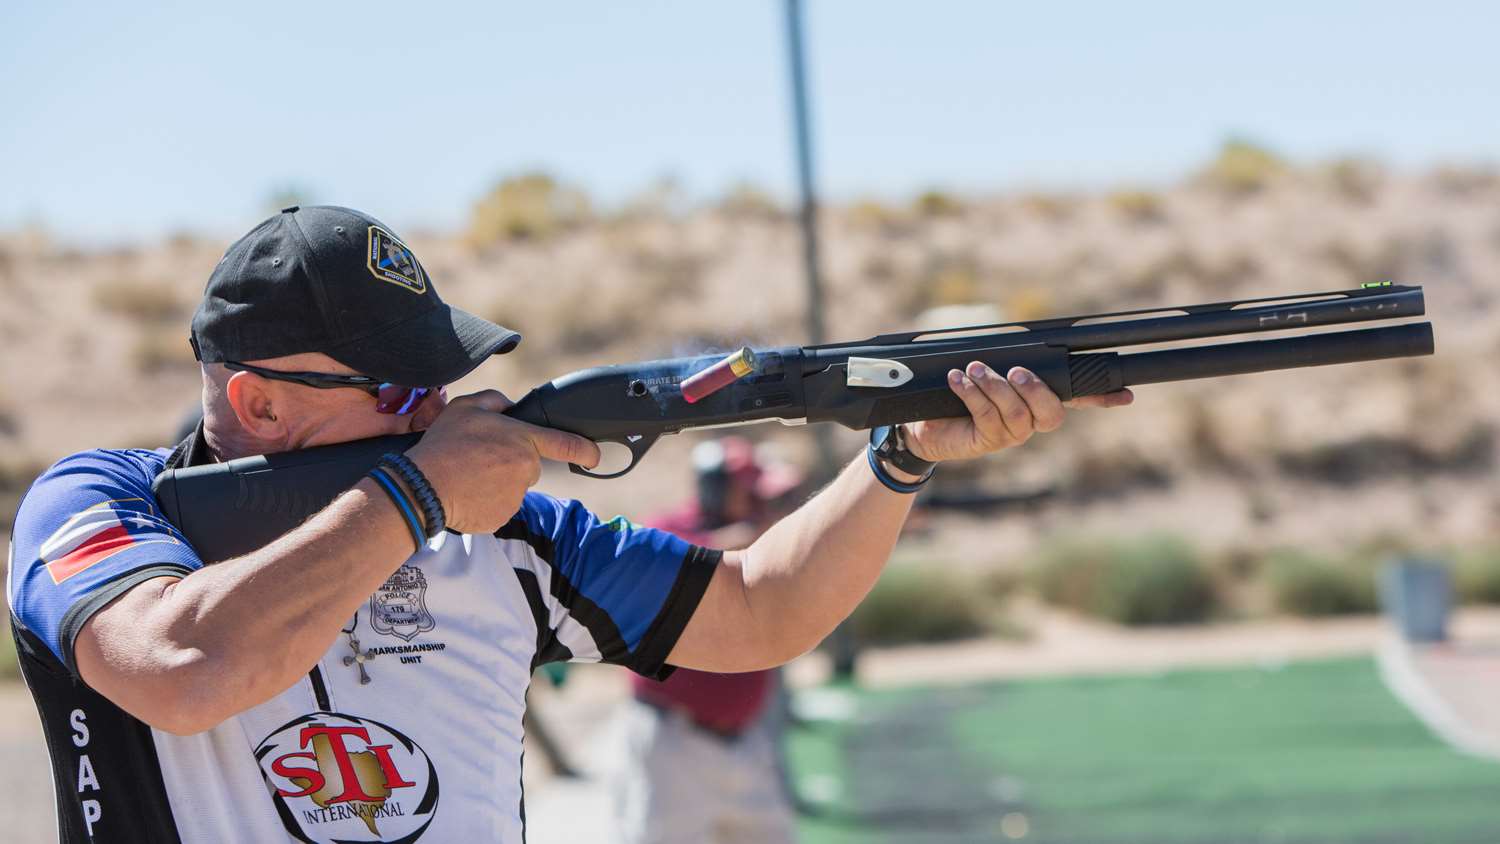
[[26, 808], [1060, 644], [1246, 462]]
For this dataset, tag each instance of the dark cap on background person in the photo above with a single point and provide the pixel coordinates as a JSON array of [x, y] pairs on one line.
[[732, 462], [336, 281]]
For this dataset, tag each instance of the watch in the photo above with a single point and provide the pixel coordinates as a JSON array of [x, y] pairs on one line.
[[888, 448]]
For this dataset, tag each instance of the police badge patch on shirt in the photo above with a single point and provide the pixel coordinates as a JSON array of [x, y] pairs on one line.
[[399, 607]]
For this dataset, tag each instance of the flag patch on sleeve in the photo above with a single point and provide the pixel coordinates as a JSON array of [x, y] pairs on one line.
[[100, 532]]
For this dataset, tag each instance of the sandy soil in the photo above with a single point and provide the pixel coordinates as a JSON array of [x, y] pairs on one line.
[[93, 347], [579, 713], [1374, 448], [27, 810]]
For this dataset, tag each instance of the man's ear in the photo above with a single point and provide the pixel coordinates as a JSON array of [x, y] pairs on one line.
[[251, 398]]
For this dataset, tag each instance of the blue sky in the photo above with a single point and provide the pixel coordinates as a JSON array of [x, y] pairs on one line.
[[133, 120]]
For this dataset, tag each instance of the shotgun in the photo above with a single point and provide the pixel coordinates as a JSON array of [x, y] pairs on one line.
[[232, 508]]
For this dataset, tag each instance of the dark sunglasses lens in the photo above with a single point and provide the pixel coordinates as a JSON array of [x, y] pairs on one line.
[[394, 398]]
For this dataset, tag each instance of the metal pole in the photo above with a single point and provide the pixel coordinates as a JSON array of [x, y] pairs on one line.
[[808, 214], [841, 642]]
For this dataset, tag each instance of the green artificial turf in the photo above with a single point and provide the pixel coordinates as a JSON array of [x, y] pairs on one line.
[[1307, 753]]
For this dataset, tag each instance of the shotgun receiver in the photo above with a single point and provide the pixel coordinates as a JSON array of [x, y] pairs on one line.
[[232, 508]]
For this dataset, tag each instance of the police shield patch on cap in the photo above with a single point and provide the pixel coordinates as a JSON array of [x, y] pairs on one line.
[[390, 260]]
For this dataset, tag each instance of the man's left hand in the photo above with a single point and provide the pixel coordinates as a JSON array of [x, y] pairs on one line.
[[1003, 412]]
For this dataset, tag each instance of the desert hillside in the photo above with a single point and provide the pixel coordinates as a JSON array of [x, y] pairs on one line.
[[95, 350]]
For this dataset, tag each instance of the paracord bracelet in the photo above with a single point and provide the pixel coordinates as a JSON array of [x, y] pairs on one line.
[[432, 508], [403, 504], [890, 482]]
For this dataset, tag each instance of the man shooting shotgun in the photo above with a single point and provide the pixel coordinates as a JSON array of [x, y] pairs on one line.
[[359, 674], [876, 384]]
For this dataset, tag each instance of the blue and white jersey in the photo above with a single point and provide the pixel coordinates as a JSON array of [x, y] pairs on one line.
[[419, 739]]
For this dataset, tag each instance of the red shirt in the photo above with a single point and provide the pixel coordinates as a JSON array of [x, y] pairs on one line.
[[722, 702]]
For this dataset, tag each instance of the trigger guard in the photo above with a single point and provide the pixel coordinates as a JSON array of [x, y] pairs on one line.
[[579, 470], [637, 447]]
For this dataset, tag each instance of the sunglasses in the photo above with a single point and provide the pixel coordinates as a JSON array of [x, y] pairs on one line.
[[389, 398]]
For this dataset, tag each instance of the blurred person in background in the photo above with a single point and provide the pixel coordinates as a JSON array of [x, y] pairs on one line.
[[703, 757]]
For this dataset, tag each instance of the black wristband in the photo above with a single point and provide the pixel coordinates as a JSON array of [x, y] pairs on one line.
[[404, 505], [889, 442], [432, 509], [877, 466], [888, 447]]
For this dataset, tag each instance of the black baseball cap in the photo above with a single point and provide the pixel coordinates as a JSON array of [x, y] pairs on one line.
[[333, 280]]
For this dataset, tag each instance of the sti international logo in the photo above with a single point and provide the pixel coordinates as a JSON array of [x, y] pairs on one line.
[[341, 778]]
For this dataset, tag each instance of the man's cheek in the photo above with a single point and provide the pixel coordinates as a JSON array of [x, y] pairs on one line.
[[429, 411]]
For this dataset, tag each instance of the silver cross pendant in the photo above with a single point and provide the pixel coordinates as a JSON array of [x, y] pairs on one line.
[[359, 657]]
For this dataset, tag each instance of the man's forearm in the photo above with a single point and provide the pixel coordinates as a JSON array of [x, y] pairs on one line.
[[236, 633], [809, 571]]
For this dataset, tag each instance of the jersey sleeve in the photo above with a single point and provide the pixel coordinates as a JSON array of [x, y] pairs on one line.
[[613, 591], [86, 532]]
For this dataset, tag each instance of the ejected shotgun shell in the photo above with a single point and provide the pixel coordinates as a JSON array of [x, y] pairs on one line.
[[719, 376]]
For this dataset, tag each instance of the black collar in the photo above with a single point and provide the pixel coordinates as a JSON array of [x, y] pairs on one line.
[[193, 451]]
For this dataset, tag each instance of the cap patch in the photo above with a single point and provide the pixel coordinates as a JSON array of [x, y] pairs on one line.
[[390, 260]]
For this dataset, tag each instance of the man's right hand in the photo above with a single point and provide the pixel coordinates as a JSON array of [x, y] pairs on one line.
[[481, 462]]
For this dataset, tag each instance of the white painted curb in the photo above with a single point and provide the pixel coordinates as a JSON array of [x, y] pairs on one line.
[[1398, 670]]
